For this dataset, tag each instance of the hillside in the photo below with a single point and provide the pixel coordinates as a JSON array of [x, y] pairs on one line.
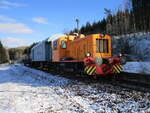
[[136, 46]]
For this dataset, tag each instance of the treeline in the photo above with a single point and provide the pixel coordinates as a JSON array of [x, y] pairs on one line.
[[11, 54], [4, 55], [135, 17], [16, 53]]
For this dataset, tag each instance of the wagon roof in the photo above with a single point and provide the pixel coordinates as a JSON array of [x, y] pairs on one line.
[[49, 39]]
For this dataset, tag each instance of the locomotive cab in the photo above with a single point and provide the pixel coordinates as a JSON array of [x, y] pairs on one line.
[[101, 46], [99, 60], [60, 47]]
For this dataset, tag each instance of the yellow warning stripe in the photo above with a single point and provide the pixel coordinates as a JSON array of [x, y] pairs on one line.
[[89, 69], [121, 66], [116, 69], [86, 68], [92, 71]]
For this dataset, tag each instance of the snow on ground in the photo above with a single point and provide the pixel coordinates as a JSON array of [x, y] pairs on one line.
[[137, 67], [25, 90]]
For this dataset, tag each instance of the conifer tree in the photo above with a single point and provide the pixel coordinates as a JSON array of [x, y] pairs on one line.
[[3, 54]]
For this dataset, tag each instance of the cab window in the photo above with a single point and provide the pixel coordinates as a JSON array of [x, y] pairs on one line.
[[63, 44], [101, 45], [55, 45]]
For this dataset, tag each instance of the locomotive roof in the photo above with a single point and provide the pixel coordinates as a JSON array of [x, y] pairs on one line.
[[54, 37]]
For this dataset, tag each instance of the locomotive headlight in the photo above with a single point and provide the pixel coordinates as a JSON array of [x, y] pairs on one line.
[[88, 54], [122, 58], [120, 55], [98, 61]]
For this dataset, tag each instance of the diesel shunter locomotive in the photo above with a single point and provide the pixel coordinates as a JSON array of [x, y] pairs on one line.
[[90, 54]]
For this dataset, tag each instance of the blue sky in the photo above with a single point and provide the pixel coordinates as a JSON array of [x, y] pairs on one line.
[[23, 22]]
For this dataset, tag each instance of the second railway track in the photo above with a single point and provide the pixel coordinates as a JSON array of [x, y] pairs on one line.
[[140, 82]]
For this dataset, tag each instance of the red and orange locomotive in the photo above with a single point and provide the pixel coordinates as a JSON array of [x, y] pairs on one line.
[[91, 54]]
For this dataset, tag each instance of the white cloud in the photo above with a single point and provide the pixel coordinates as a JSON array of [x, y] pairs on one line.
[[4, 7], [5, 18], [15, 28], [5, 4], [40, 20], [14, 42]]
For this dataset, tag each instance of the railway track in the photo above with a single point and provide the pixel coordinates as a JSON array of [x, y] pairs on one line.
[[139, 82], [131, 81]]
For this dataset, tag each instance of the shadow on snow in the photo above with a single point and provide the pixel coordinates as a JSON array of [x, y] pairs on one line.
[[30, 77]]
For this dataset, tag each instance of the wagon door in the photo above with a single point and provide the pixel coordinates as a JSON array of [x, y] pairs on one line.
[[48, 51]]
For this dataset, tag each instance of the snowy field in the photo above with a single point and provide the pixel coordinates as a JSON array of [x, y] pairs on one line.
[[25, 90]]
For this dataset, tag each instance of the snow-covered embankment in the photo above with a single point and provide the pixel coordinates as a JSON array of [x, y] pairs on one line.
[[25, 90]]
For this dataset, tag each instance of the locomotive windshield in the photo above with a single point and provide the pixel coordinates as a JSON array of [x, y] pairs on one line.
[[101, 45]]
